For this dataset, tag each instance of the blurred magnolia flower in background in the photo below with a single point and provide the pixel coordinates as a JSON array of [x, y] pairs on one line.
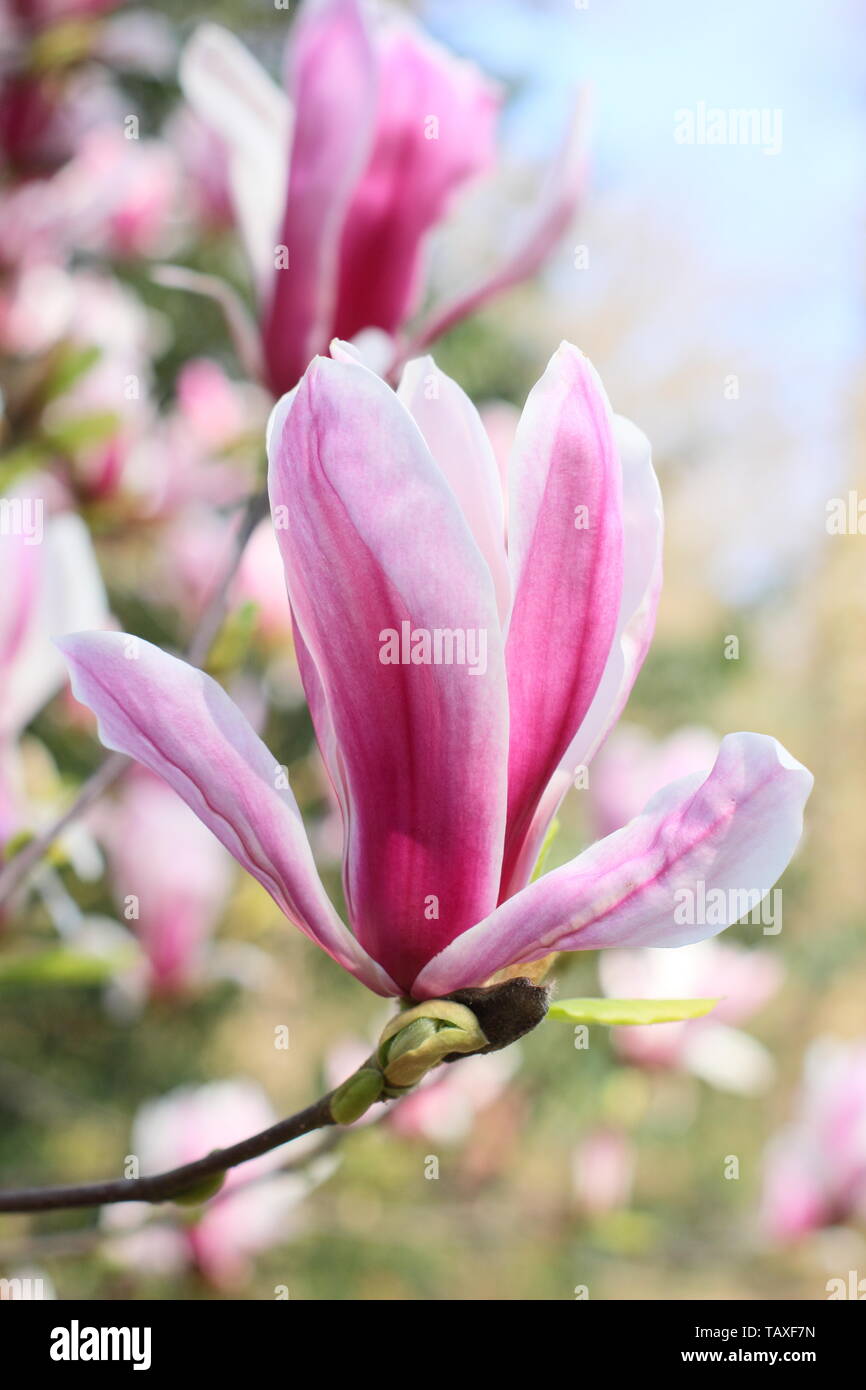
[[632, 764], [449, 1100], [602, 1169], [120, 195], [171, 878], [448, 777], [259, 580], [49, 584], [815, 1167], [347, 172], [256, 1208], [712, 1048]]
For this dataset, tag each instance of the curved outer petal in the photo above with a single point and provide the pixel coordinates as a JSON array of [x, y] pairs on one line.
[[332, 84], [236, 99], [643, 531], [435, 130], [734, 832], [458, 442], [183, 726], [565, 550], [372, 538], [552, 214]]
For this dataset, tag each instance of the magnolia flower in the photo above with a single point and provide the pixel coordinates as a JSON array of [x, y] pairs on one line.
[[815, 1169], [49, 585], [170, 876], [602, 1171], [632, 764], [259, 580], [39, 13], [338, 182], [455, 684], [120, 195], [712, 1047], [207, 196], [252, 1211]]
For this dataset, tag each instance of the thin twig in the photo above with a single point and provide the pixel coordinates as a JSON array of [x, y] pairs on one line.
[[27, 858], [176, 1182], [36, 1247], [16, 871], [212, 618], [503, 1012]]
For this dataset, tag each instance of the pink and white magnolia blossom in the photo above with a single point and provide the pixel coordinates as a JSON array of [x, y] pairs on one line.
[[171, 878], [632, 764], [713, 1048], [49, 585], [389, 513], [253, 1210], [602, 1171], [624, 774], [349, 169], [815, 1168]]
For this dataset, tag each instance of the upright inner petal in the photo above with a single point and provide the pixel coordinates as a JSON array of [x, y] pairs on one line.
[[403, 653]]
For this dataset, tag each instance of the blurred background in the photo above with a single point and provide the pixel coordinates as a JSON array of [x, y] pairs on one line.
[[152, 998]]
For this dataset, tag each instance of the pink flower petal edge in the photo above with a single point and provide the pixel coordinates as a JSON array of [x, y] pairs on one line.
[[734, 832], [182, 725]]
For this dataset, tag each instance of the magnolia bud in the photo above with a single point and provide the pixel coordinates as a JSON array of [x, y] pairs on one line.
[[416, 1041]]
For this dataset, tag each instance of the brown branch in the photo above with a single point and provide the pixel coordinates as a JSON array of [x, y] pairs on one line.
[[176, 1182], [212, 618], [16, 871], [504, 1011]]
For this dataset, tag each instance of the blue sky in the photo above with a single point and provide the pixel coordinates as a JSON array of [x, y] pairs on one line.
[[783, 235]]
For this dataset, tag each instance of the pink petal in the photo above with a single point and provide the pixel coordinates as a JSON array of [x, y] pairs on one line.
[[47, 589], [458, 442], [566, 566], [236, 99], [332, 82], [794, 1200], [183, 726], [414, 169], [642, 578], [161, 852], [736, 830], [372, 537], [553, 213]]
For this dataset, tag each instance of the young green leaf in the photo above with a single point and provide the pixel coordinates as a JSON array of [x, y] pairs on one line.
[[624, 1011]]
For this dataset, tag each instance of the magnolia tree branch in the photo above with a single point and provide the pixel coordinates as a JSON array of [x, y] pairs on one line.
[[19, 867], [465, 1023], [181, 1182], [212, 619]]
